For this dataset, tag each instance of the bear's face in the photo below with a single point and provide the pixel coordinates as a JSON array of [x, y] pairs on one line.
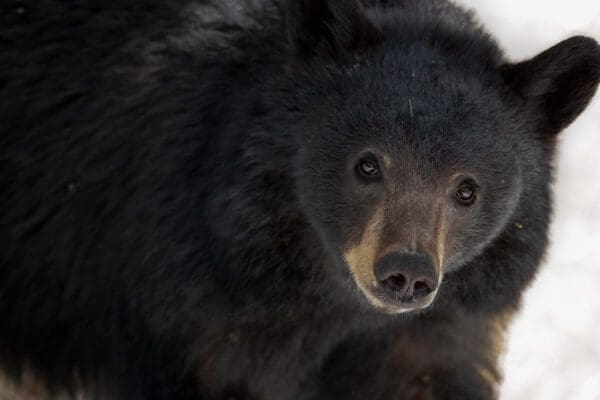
[[409, 160], [407, 179]]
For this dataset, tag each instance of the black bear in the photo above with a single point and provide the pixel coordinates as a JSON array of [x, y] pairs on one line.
[[313, 199]]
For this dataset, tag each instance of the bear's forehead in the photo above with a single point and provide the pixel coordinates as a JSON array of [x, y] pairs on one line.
[[426, 103], [428, 85], [422, 108], [436, 85]]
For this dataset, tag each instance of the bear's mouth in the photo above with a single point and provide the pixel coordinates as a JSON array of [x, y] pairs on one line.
[[392, 301]]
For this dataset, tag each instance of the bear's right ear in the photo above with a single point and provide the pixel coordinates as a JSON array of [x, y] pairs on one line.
[[333, 28], [557, 84]]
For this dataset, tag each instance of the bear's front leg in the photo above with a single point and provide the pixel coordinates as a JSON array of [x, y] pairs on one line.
[[423, 358]]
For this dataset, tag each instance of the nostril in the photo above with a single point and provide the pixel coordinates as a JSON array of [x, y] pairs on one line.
[[421, 289], [396, 282]]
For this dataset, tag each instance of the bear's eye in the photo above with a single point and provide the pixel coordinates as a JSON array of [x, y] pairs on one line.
[[465, 194], [368, 168]]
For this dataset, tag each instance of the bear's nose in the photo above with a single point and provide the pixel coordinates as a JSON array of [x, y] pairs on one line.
[[408, 277]]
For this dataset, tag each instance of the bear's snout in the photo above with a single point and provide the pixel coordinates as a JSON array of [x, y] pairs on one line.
[[408, 277]]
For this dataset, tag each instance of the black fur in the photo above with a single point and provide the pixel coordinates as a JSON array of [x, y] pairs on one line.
[[173, 199]]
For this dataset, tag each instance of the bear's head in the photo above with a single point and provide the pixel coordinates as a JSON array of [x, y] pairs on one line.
[[417, 142]]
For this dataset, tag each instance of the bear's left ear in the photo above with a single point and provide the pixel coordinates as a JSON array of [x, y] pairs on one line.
[[558, 83], [332, 28]]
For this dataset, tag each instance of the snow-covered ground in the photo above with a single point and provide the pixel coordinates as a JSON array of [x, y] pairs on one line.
[[553, 348]]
